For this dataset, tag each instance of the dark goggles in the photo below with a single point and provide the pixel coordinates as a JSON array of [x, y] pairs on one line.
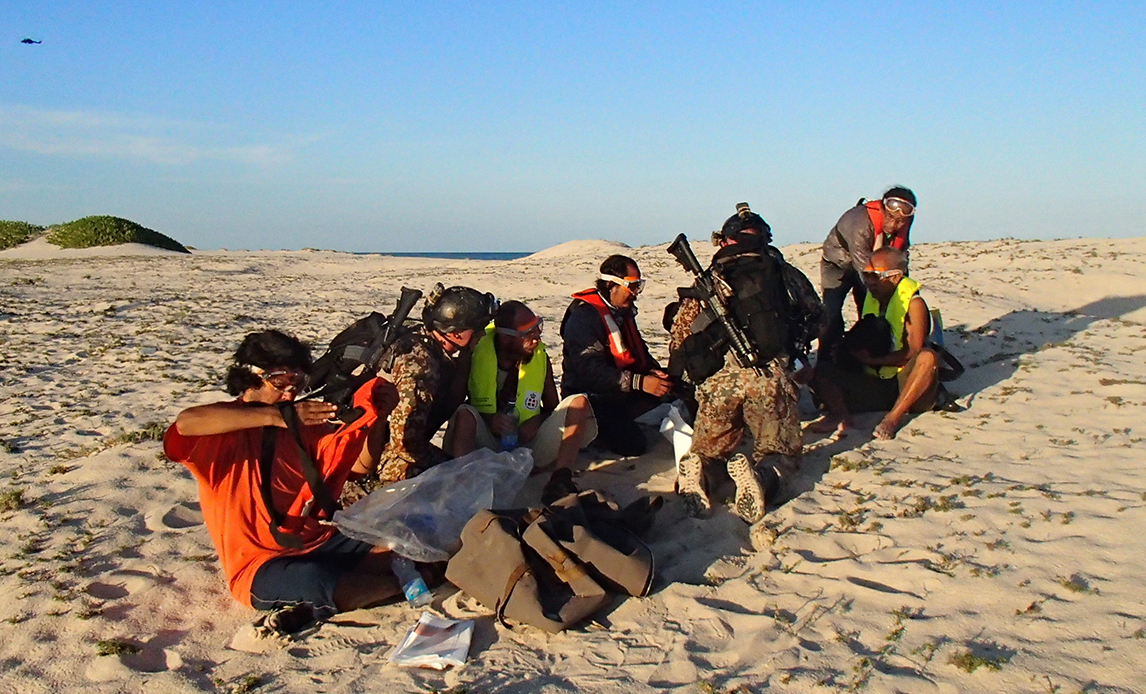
[[526, 332]]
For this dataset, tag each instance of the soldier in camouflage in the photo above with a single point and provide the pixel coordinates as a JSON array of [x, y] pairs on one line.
[[735, 398], [429, 368]]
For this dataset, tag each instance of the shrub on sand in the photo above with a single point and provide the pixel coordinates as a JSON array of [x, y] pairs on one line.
[[13, 234], [109, 231]]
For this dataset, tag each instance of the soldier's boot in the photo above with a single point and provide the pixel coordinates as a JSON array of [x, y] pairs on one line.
[[749, 492], [690, 485]]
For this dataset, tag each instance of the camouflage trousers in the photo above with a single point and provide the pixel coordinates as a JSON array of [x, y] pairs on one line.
[[736, 399]]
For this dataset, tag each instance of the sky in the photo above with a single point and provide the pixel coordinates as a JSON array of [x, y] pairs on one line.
[[496, 126]]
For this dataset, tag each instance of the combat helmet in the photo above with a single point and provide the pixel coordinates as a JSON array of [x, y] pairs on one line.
[[744, 218], [454, 309]]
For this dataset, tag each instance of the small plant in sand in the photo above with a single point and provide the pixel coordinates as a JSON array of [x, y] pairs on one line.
[[11, 499], [152, 431], [1035, 607], [8, 447], [113, 647], [971, 662], [1077, 583]]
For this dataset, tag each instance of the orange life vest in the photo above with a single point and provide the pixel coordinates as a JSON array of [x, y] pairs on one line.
[[625, 342], [875, 214]]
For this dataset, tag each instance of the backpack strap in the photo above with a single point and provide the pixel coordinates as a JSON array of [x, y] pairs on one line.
[[266, 462], [314, 480], [322, 496]]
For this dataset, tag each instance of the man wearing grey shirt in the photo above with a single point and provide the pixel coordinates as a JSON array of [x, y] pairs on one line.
[[847, 251]]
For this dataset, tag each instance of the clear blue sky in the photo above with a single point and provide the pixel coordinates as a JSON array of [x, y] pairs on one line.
[[496, 126]]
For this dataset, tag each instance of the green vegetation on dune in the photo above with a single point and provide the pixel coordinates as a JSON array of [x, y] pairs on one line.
[[13, 234], [109, 231]]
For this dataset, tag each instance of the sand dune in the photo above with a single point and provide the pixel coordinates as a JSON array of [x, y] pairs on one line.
[[997, 549]]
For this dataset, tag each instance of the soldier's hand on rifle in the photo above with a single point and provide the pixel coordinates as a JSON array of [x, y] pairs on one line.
[[311, 412], [656, 383]]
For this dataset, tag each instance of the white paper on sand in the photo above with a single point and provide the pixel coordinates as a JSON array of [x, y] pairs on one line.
[[434, 643]]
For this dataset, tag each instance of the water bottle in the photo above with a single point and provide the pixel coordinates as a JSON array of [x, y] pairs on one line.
[[413, 585], [509, 440]]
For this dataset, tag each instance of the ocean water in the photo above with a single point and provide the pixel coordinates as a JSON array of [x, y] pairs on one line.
[[459, 255]]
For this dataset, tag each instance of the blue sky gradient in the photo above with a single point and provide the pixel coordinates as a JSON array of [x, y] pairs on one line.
[[445, 126]]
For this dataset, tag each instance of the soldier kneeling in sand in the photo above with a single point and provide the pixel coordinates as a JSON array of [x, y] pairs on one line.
[[903, 380], [513, 401], [283, 556], [732, 398]]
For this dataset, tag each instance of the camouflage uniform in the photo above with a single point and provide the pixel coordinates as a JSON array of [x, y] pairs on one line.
[[422, 373], [734, 399]]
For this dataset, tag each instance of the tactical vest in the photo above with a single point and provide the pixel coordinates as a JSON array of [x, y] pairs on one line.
[[759, 299], [483, 379], [896, 316]]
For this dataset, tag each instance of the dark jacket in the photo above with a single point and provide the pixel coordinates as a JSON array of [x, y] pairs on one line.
[[851, 241], [587, 365]]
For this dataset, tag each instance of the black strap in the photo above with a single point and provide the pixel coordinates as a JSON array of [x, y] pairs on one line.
[[322, 497], [266, 462], [314, 480]]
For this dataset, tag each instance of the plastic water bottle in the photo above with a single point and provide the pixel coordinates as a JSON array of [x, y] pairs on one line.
[[414, 587], [509, 440]]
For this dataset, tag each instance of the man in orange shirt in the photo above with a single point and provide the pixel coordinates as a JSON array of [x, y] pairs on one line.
[[321, 572]]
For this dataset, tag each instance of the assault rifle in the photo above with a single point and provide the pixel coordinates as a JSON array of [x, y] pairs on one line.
[[710, 296]]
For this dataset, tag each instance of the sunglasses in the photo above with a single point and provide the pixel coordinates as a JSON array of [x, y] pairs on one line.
[[633, 284], [899, 207], [282, 380], [528, 332], [881, 274]]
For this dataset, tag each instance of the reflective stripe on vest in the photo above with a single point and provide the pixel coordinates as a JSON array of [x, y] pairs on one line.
[[619, 338], [875, 214], [483, 379], [896, 315]]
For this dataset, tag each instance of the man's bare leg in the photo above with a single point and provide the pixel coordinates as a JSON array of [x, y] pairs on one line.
[[838, 419], [464, 434], [576, 413], [919, 382]]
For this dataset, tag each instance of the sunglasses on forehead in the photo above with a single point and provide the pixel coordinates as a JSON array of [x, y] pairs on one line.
[[881, 274], [633, 284]]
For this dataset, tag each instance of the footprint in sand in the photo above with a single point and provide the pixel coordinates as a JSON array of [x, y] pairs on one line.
[[124, 582], [114, 668], [181, 516]]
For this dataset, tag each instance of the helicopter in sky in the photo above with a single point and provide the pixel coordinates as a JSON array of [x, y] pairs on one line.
[[29, 41]]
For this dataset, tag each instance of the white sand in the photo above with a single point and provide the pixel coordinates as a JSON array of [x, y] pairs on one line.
[[1012, 531]]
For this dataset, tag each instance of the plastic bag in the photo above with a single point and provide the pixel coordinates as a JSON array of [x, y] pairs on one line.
[[422, 518], [435, 643]]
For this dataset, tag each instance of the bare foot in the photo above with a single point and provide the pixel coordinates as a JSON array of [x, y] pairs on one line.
[[885, 430], [829, 425]]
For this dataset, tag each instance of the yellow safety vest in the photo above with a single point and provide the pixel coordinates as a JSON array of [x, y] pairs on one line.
[[896, 315], [483, 379]]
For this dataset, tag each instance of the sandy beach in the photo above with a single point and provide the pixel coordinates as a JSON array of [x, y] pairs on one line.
[[995, 549]]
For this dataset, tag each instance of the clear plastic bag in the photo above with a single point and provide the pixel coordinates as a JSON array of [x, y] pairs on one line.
[[422, 518]]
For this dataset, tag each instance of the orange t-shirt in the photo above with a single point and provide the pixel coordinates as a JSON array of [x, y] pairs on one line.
[[226, 466]]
